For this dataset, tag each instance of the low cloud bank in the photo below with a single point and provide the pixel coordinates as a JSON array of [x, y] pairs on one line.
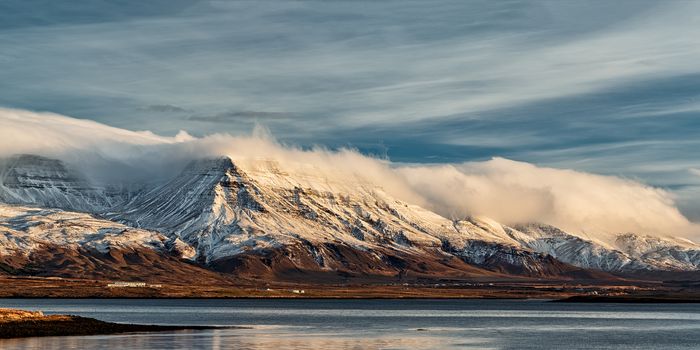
[[512, 192]]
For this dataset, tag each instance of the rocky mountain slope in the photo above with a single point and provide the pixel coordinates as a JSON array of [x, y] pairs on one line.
[[234, 218], [53, 242], [262, 222], [44, 182]]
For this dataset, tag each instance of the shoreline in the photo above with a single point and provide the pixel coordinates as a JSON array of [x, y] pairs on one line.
[[629, 299], [22, 324]]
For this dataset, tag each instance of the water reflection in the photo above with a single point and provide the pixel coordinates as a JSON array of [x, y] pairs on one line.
[[246, 340], [376, 324]]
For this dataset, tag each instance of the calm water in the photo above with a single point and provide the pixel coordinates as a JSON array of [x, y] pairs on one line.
[[377, 324]]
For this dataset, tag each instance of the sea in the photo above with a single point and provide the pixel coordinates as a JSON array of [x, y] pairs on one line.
[[275, 324]]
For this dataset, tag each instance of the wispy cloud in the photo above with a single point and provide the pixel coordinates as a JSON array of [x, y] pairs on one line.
[[234, 116], [165, 109], [378, 64]]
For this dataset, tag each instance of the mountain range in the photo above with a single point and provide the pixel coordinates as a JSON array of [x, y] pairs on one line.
[[217, 219]]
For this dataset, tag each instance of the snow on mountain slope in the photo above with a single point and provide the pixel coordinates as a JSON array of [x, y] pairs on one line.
[[225, 211], [39, 181], [201, 206], [220, 214], [573, 249], [53, 242], [24, 230], [662, 253], [630, 252]]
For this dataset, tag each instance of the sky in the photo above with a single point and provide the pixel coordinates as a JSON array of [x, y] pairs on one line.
[[602, 87]]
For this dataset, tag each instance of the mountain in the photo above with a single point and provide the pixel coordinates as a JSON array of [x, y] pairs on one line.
[[234, 218], [255, 220], [40, 181], [629, 253], [54, 242]]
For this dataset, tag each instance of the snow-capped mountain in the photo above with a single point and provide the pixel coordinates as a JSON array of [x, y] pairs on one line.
[[40, 181], [628, 253], [264, 222], [25, 230], [229, 214], [54, 242]]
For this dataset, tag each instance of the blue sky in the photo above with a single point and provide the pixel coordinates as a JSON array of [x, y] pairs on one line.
[[610, 87]]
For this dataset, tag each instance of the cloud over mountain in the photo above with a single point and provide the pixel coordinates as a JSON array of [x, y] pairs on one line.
[[506, 190]]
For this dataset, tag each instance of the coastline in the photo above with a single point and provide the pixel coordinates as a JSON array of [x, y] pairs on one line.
[[20, 324], [631, 299]]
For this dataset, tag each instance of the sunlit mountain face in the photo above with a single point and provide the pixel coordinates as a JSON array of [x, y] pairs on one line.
[[80, 193]]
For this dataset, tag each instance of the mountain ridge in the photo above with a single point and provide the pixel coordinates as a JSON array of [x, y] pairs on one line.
[[232, 221]]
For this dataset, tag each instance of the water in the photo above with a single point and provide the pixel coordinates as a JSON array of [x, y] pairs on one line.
[[376, 324]]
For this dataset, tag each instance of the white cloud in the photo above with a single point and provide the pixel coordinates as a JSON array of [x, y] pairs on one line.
[[30, 132], [512, 192], [505, 190]]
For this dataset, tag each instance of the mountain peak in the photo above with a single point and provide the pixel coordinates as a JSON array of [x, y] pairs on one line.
[[38, 180], [19, 165], [209, 165]]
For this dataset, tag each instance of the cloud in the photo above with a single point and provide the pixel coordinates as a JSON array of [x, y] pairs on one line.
[[383, 62], [92, 146], [25, 131], [165, 109], [233, 116], [508, 191], [513, 192]]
